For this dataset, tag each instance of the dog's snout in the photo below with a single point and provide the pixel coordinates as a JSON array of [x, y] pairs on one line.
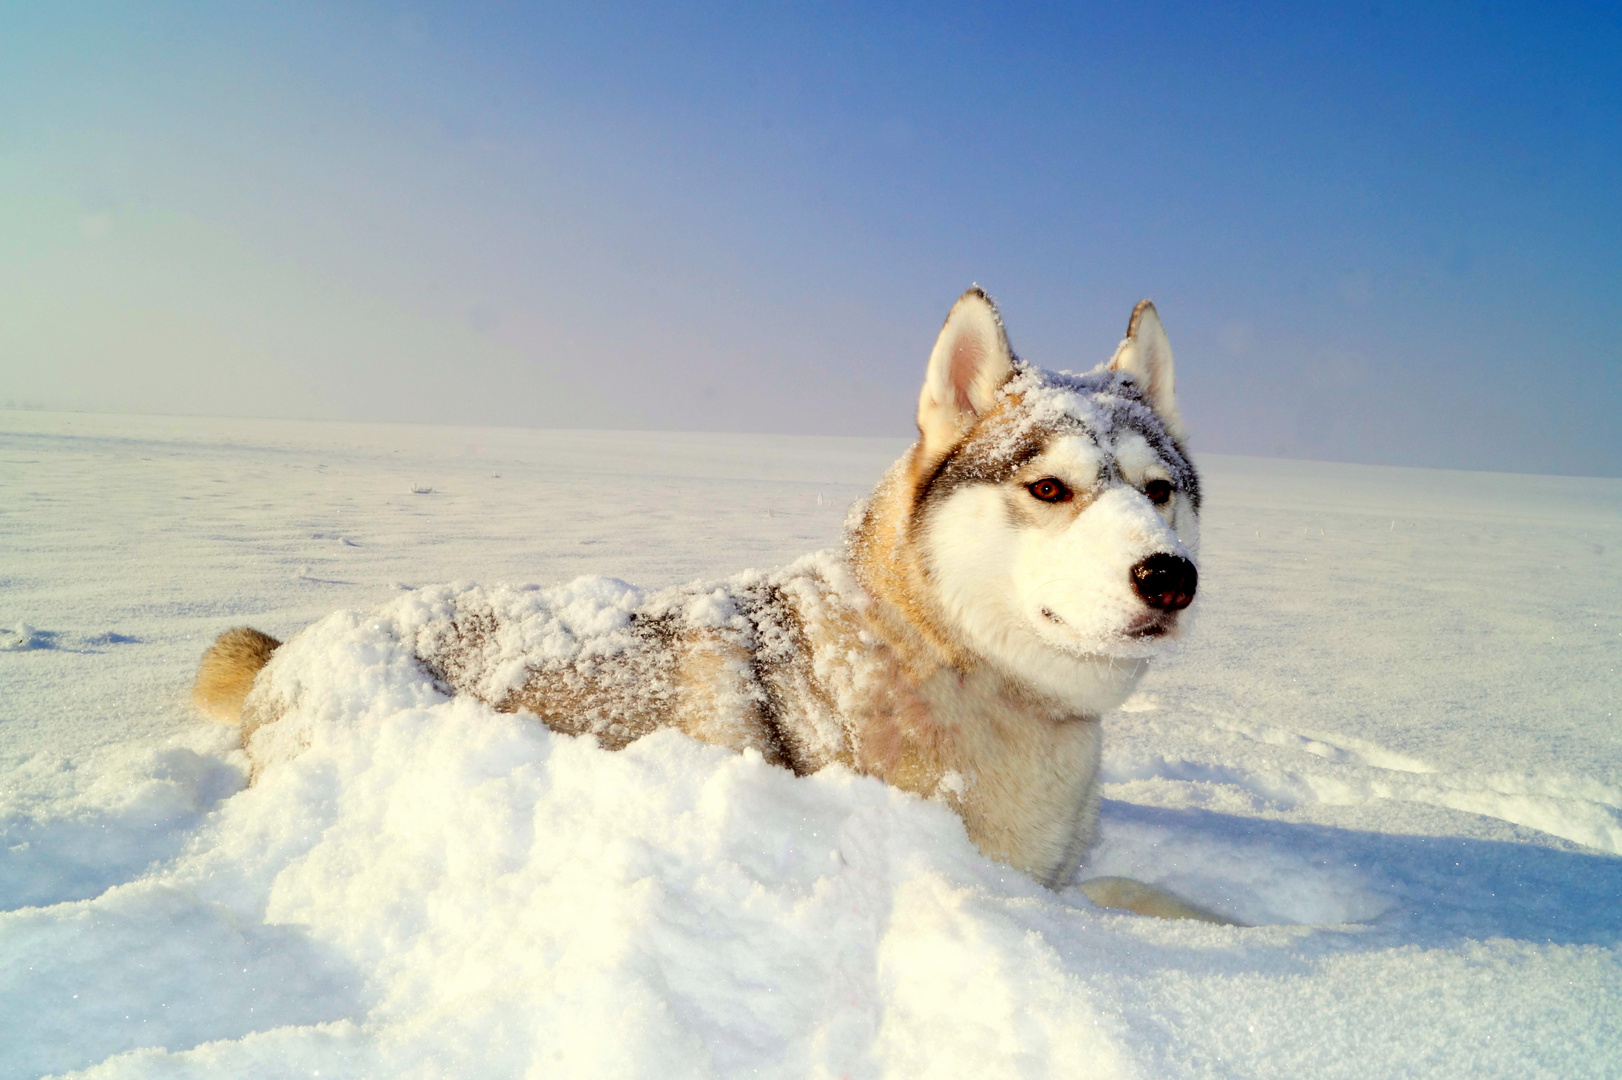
[[1166, 582]]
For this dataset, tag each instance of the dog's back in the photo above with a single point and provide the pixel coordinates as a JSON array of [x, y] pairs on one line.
[[729, 663]]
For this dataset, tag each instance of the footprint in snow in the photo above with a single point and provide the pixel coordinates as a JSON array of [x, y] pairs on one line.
[[24, 638], [110, 638]]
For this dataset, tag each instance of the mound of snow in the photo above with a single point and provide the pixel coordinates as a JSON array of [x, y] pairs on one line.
[[473, 894]]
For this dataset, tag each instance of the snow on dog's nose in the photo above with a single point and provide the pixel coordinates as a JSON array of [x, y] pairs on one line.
[[1166, 582]]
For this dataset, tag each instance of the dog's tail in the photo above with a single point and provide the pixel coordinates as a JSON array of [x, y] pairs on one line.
[[227, 672]]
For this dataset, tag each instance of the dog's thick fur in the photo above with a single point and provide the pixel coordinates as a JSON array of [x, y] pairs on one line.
[[1002, 588], [227, 672]]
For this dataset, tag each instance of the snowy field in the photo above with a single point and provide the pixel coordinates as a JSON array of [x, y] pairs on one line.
[[1392, 746]]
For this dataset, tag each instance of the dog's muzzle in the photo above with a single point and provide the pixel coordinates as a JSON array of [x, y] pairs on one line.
[[1165, 582]]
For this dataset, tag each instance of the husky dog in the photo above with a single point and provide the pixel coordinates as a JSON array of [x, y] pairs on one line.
[[1004, 586]]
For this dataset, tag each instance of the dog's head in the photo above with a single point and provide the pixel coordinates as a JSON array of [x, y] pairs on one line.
[[1054, 516]]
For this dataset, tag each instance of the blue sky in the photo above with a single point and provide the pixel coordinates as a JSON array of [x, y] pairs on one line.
[[1375, 233]]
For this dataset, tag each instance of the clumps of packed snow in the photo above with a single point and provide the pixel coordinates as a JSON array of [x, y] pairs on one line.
[[1051, 397], [475, 894], [22, 636], [499, 643], [496, 892], [350, 666], [1103, 403], [1413, 820]]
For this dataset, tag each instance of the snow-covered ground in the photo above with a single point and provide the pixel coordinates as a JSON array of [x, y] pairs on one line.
[[1392, 745]]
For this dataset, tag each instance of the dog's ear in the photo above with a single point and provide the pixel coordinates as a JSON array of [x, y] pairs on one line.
[[970, 363], [1145, 354]]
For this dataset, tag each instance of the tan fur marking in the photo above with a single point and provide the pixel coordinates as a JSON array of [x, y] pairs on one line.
[[714, 702], [227, 671], [889, 563]]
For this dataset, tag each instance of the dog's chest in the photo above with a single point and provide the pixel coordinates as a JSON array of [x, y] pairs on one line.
[[1025, 780]]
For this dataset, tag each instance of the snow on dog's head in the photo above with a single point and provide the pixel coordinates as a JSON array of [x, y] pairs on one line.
[[1055, 515]]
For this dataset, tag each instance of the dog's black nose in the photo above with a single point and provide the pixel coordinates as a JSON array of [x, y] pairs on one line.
[[1166, 582]]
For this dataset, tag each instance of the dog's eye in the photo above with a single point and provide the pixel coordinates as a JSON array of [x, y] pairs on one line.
[[1049, 490], [1158, 491]]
